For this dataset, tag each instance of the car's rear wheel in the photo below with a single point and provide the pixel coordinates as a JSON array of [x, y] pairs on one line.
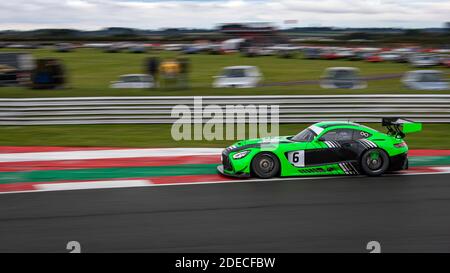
[[375, 162], [265, 165]]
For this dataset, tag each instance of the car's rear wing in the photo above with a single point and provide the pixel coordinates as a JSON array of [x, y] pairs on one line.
[[400, 127]]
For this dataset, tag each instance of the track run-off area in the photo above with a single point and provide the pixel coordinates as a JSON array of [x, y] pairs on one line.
[[24, 169]]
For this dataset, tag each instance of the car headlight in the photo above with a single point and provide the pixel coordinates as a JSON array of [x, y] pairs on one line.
[[240, 155]]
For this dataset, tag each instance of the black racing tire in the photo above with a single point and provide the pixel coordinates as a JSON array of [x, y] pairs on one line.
[[375, 162], [265, 165]]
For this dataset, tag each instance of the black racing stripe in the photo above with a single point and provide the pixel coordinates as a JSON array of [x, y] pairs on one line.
[[350, 165], [346, 166], [350, 168], [373, 143], [363, 144], [343, 168], [354, 168]]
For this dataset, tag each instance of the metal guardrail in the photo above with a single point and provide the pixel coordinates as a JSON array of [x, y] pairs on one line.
[[157, 110]]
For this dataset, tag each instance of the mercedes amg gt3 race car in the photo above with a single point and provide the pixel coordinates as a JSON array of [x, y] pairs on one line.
[[325, 148]]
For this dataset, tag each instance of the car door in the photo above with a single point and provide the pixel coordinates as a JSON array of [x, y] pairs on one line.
[[296, 150], [331, 147]]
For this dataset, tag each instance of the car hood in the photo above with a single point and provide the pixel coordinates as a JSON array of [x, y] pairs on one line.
[[261, 142]]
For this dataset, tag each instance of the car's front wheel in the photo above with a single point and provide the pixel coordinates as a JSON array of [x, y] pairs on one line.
[[375, 162], [265, 165]]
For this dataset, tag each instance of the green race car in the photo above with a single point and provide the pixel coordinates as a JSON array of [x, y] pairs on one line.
[[325, 148]]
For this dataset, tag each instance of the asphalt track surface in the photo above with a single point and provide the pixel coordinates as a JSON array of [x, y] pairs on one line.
[[403, 213]]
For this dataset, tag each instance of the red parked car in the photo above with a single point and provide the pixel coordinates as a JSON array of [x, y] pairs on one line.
[[329, 55], [446, 62], [374, 58]]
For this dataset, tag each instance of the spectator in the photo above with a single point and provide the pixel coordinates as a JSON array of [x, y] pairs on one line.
[[183, 80], [170, 71], [153, 68]]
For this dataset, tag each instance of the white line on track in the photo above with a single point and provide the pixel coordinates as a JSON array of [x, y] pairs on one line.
[[104, 154], [93, 185]]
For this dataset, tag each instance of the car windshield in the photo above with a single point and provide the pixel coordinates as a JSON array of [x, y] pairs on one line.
[[306, 135], [430, 77], [343, 74], [234, 73], [130, 79]]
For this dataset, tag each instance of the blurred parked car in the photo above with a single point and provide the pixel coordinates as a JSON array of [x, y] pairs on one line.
[[373, 58], [215, 49], [232, 45], [312, 53], [258, 50], [23, 46], [191, 49], [358, 56], [425, 80], [445, 60], [342, 77], [424, 60], [134, 81], [238, 77], [329, 55], [345, 53], [390, 56], [115, 48], [173, 47], [64, 47], [137, 49], [285, 50]]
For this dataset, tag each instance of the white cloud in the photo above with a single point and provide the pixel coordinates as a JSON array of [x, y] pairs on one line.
[[80, 4], [152, 14]]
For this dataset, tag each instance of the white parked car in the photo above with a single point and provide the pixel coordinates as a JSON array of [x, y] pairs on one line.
[[423, 60], [238, 77], [342, 77], [64, 47], [134, 81], [232, 45], [425, 80]]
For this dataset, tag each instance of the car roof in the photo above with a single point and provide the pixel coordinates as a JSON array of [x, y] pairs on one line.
[[426, 71], [240, 67], [342, 68], [328, 124], [134, 75]]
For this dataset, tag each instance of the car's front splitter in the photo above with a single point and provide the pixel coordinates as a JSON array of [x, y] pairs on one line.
[[221, 170]]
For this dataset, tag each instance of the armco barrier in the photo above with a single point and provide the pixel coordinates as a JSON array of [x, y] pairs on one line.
[[157, 110]]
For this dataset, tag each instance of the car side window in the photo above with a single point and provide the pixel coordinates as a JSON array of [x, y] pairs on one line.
[[338, 135], [357, 134]]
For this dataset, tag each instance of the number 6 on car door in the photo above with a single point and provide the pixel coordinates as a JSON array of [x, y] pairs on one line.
[[297, 158]]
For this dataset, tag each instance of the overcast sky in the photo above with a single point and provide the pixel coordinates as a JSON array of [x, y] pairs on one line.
[[154, 14]]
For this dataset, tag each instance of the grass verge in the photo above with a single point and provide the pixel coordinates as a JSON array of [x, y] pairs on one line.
[[433, 136]]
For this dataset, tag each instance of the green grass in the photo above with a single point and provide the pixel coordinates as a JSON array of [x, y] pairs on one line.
[[433, 136], [91, 71]]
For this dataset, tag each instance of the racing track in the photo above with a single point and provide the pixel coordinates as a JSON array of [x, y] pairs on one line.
[[403, 213]]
